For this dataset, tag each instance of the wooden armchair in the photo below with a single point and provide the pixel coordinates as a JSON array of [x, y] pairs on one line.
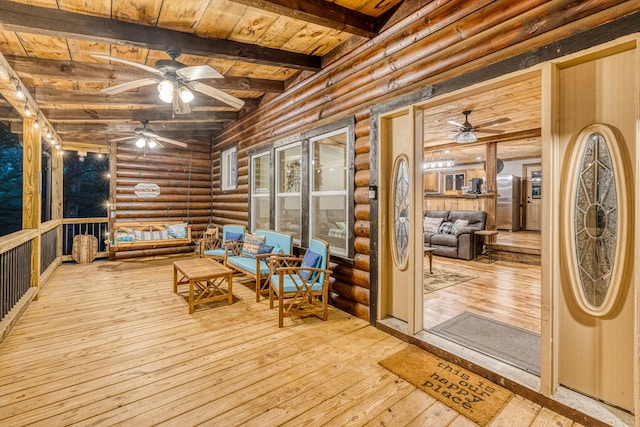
[[214, 246], [301, 285]]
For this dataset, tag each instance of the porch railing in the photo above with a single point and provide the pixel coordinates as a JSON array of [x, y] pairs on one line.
[[15, 273], [71, 227]]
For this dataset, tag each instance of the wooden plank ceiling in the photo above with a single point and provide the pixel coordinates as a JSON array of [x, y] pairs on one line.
[[259, 48]]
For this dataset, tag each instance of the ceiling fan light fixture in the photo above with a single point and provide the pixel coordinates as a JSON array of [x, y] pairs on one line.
[[165, 90], [151, 143], [466, 137], [140, 143], [185, 94]]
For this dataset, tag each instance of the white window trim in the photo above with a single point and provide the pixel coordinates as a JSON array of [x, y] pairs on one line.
[[229, 169]]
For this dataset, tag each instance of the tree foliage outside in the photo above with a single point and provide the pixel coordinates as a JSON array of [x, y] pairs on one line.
[[86, 185], [11, 182]]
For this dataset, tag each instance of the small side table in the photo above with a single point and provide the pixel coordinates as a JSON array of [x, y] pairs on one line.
[[205, 278], [488, 237], [428, 251]]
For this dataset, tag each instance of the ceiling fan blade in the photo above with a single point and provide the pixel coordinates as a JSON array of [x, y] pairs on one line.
[[454, 123], [171, 141], [198, 72], [492, 123], [217, 94], [148, 133], [127, 62], [123, 87], [489, 130], [124, 138]]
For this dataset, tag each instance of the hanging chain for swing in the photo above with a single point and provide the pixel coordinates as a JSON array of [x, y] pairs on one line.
[[212, 230]]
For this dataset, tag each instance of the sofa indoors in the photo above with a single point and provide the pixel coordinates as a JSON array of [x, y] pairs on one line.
[[451, 232]]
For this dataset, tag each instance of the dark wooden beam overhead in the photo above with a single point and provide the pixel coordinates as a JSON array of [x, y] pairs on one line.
[[9, 114], [84, 71], [59, 23], [57, 96], [153, 115], [323, 13]]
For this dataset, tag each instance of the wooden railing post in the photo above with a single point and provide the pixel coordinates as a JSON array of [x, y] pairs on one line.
[[31, 198]]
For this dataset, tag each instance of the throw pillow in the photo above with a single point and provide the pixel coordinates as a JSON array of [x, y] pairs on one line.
[[432, 224], [264, 249], [276, 249], [251, 244], [445, 227], [458, 226], [230, 236], [177, 231], [311, 260]]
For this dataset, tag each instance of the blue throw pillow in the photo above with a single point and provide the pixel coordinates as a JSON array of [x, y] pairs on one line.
[[230, 236], [177, 231], [311, 259], [264, 249], [276, 249]]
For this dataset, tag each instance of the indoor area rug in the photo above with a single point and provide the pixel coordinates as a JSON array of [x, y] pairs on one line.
[[467, 393], [440, 279], [516, 346]]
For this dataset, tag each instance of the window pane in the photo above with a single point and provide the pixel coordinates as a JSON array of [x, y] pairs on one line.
[[288, 208], [330, 163], [329, 221], [260, 213], [289, 170], [260, 171]]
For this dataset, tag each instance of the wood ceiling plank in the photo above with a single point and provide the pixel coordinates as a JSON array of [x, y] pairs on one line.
[[305, 39], [219, 19], [323, 13], [44, 46], [144, 12], [252, 25], [10, 43], [52, 22], [96, 8], [183, 15], [280, 32]]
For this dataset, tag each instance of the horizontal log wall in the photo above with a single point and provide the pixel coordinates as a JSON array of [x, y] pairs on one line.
[[184, 178], [440, 41]]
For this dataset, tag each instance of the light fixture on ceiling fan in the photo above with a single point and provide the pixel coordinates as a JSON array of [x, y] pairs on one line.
[[147, 138]]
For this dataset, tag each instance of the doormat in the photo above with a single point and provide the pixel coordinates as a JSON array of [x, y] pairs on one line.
[[512, 345], [463, 391], [440, 279]]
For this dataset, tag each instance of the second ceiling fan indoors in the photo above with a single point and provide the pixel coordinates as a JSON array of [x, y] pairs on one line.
[[466, 131], [175, 82]]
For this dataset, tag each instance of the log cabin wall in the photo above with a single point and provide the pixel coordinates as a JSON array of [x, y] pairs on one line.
[[184, 178], [438, 42]]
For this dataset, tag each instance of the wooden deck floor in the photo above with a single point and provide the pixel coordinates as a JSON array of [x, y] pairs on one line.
[[108, 343]]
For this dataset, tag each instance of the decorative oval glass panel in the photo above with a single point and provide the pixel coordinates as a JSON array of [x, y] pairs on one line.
[[401, 200], [596, 253]]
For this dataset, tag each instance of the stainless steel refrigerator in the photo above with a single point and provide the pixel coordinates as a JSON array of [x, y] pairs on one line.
[[508, 206]]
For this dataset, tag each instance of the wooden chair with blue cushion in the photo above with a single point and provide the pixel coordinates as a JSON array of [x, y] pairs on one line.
[[301, 289], [251, 257], [214, 247]]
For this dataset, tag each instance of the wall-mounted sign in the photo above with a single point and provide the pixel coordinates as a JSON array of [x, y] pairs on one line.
[[145, 189]]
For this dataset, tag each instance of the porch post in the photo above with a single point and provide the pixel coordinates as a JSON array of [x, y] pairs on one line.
[[31, 197]]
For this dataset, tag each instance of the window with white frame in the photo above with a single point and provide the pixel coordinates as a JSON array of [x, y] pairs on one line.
[[261, 191], [329, 203], [229, 168], [288, 189]]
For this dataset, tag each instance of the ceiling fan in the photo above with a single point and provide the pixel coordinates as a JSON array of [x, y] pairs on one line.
[[175, 82], [146, 138], [466, 131]]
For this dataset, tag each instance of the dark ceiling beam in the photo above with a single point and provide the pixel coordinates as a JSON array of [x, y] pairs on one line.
[[153, 115], [60, 23], [9, 114], [92, 72], [161, 128], [129, 99], [323, 13]]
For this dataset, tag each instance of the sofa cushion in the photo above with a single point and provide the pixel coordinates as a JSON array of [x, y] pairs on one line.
[[476, 219], [445, 227], [177, 231], [458, 226], [251, 244], [248, 264], [432, 225], [444, 240]]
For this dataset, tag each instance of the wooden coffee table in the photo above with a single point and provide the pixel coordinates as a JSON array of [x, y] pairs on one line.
[[428, 251], [205, 278]]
